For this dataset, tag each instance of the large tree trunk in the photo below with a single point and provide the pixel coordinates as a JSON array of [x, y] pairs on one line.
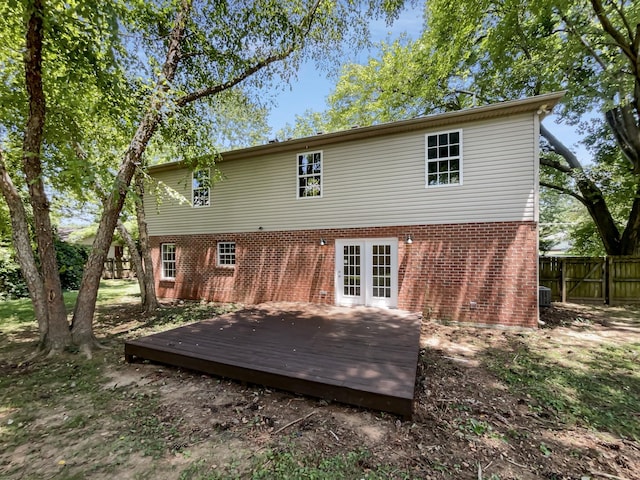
[[630, 243], [591, 195], [136, 259], [624, 123], [22, 245], [601, 215], [151, 300], [82, 325], [58, 336]]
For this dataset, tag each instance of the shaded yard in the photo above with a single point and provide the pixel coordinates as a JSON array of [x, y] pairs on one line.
[[558, 403]]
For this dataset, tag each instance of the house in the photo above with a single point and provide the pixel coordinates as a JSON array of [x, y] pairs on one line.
[[435, 214]]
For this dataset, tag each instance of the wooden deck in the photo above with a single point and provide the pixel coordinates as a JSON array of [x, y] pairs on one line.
[[360, 356]]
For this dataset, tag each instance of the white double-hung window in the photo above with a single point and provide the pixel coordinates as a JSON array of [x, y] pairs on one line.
[[443, 159], [200, 188], [309, 174], [226, 254], [168, 254]]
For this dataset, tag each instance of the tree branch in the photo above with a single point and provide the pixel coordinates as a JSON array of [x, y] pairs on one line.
[[624, 127], [564, 190], [625, 21], [304, 27], [608, 27], [591, 198], [561, 149], [216, 89], [555, 165], [585, 44]]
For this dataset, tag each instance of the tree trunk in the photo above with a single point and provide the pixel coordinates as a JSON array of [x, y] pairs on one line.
[[57, 336], [136, 259], [592, 196], [601, 215], [630, 244], [24, 252], [82, 324], [151, 304]]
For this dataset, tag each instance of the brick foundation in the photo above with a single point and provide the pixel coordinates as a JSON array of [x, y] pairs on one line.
[[444, 270]]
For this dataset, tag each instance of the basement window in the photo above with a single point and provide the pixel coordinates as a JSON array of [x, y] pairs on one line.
[[226, 254], [168, 253], [444, 159]]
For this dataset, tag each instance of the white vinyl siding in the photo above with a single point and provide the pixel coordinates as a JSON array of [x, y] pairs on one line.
[[378, 181]]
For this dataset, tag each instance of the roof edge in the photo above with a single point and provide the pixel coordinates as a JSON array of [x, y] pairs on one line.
[[542, 104]]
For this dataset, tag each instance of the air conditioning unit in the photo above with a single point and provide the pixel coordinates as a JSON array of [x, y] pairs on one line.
[[544, 296]]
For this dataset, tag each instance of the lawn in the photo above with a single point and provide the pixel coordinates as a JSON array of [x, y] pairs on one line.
[[557, 403]]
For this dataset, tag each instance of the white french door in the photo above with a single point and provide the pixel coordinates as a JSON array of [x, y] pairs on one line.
[[367, 272]]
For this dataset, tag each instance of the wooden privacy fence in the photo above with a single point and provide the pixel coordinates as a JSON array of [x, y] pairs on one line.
[[610, 280], [117, 268]]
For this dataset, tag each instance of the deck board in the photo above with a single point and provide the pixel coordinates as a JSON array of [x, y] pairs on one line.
[[362, 356]]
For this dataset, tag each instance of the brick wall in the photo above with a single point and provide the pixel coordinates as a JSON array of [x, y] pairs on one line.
[[483, 273]]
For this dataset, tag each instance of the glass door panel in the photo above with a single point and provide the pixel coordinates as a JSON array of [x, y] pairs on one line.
[[367, 272], [351, 275]]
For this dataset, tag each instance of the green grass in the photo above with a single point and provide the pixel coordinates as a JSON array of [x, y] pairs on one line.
[[69, 389], [48, 384], [144, 431], [14, 313], [120, 290], [597, 387], [291, 464]]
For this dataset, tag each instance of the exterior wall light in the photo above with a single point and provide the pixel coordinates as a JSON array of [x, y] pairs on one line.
[[408, 240], [323, 242]]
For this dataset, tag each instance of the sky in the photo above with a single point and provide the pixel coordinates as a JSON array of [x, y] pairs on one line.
[[311, 88]]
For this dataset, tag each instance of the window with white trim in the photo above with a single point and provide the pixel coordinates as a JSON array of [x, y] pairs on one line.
[[309, 174], [168, 254], [444, 159], [226, 254], [200, 183]]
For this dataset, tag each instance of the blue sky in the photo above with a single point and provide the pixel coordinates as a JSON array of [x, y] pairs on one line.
[[311, 87]]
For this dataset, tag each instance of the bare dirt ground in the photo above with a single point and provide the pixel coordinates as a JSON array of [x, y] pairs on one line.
[[466, 424]]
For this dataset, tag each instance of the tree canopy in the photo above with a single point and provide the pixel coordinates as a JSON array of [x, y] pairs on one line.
[[86, 88], [487, 50]]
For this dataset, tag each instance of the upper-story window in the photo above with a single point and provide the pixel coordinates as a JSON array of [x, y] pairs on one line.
[[444, 158], [168, 253], [200, 188], [310, 174]]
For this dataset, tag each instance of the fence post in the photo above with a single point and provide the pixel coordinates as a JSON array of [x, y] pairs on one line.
[[608, 275], [563, 283]]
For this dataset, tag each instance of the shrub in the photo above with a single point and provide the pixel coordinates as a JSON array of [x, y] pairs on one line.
[[71, 259], [11, 282]]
